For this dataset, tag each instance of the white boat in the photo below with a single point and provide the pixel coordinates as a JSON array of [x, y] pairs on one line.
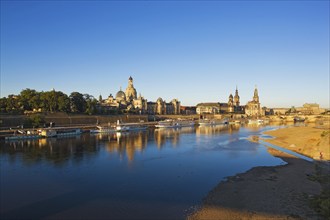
[[59, 132], [23, 137], [211, 122], [68, 132], [186, 123], [256, 121], [170, 123], [122, 127], [103, 129]]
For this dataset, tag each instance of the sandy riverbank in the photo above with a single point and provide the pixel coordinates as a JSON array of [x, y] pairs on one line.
[[281, 192], [310, 141]]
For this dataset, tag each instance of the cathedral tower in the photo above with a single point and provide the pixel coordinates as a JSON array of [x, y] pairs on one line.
[[256, 96], [236, 98], [130, 90]]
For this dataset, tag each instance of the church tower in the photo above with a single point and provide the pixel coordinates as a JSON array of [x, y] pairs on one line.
[[130, 90], [236, 98], [256, 96], [230, 104]]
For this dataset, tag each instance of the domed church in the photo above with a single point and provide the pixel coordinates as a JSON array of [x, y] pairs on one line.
[[130, 91], [130, 102]]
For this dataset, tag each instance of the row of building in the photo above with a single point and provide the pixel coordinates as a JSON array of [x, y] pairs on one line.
[[130, 102], [252, 108]]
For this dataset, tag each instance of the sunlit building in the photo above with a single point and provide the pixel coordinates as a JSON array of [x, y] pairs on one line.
[[129, 101]]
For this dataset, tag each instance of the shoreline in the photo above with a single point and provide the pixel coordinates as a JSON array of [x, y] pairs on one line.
[[277, 192]]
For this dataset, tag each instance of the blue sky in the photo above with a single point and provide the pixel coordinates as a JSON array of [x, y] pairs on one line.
[[191, 50]]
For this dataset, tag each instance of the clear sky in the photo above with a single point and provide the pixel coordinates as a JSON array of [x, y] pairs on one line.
[[195, 51]]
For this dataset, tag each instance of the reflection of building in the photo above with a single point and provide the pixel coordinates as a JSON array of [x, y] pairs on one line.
[[162, 135], [172, 134], [130, 102], [253, 107], [127, 143]]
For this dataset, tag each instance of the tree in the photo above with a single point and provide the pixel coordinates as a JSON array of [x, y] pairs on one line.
[[26, 98], [3, 104], [77, 102], [48, 100], [13, 104], [91, 103], [63, 102]]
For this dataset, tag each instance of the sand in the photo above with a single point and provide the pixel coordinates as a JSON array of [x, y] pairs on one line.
[[281, 192], [310, 141]]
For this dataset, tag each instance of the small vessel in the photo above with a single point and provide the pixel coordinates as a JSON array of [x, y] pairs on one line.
[[68, 132], [211, 122], [186, 123], [59, 132], [298, 119], [122, 127], [170, 123], [256, 121], [103, 129], [23, 136]]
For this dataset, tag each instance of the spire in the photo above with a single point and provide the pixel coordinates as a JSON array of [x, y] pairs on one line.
[[255, 91], [236, 92], [255, 95]]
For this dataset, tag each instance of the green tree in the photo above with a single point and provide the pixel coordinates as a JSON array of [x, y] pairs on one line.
[[3, 105], [77, 102], [91, 103], [13, 104], [26, 96], [63, 102]]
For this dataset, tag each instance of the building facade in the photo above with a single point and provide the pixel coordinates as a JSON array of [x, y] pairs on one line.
[[253, 108], [128, 101]]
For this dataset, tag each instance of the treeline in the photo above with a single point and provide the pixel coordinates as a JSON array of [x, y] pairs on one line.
[[49, 101]]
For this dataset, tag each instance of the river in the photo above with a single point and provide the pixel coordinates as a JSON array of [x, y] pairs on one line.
[[154, 174]]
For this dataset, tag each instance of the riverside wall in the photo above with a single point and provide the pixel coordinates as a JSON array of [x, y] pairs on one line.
[[63, 119]]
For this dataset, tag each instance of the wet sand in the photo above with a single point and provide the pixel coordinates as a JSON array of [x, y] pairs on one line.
[[310, 141], [280, 192]]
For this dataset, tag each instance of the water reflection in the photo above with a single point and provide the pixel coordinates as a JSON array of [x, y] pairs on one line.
[[71, 177], [214, 130], [125, 143], [172, 135], [57, 151]]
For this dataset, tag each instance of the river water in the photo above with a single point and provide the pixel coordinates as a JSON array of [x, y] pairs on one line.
[[154, 174]]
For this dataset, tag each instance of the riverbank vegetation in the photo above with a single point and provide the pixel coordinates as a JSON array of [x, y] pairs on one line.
[[30, 100]]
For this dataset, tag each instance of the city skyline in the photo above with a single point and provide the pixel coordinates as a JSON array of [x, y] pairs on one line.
[[193, 51]]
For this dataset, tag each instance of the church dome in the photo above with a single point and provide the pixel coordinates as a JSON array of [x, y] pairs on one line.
[[230, 96], [120, 95]]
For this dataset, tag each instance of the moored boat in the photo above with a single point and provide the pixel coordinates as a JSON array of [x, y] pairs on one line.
[[298, 119], [211, 122], [59, 132], [23, 137], [256, 121], [170, 123], [122, 127], [103, 129]]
